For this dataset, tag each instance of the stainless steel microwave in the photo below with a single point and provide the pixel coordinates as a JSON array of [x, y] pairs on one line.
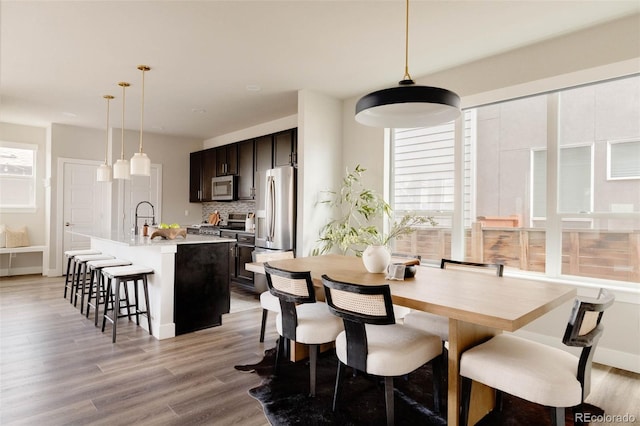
[[224, 188]]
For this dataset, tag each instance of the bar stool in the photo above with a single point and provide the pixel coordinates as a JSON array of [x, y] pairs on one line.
[[80, 263], [97, 289], [70, 254], [123, 275]]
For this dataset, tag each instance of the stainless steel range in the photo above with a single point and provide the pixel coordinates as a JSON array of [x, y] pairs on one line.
[[236, 221]]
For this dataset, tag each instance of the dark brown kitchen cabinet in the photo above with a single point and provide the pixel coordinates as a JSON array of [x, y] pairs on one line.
[[208, 173], [285, 148], [202, 168], [246, 190], [227, 160], [195, 177], [201, 286], [264, 153], [239, 255]]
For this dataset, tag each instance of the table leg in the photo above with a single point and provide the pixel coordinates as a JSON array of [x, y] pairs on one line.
[[463, 335]]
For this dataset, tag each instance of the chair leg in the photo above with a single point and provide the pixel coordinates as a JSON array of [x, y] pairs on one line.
[[336, 392], [117, 309], [557, 416], [66, 279], [465, 397], [107, 298], [437, 382], [499, 399], [313, 358], [264, 324], [279, 350], [388, 398]]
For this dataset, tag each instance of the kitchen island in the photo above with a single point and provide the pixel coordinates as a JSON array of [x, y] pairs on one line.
[[189, 289]]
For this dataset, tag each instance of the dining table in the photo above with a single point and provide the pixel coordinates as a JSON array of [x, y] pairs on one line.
[[478, 306]]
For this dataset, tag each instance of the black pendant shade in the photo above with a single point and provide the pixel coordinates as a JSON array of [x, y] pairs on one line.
[[407, 106]]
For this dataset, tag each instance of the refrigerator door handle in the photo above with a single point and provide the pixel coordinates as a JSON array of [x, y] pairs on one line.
[[271, 206]]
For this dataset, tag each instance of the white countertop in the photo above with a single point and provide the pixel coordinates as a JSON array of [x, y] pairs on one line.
[[138, 240]]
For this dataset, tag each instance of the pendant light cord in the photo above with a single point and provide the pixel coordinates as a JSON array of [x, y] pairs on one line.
[[106, 145], [406, 77], [142, 68], [124, 86]]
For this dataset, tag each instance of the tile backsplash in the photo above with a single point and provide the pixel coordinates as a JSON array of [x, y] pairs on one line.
[[227, 207]]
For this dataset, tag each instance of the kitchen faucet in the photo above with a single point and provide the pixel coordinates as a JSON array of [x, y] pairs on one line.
[[152, 217]]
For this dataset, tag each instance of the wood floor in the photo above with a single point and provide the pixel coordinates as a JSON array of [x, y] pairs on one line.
[[56, 368]]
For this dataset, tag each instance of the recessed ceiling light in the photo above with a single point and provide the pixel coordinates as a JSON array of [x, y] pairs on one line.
[[253, 88], [198, 110]]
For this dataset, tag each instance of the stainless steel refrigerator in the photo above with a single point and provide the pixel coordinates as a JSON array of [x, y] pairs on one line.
[[276, 210]]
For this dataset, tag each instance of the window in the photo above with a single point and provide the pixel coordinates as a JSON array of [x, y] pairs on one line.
[[551, 183], [574, 181], [17, 176], [622, 160]]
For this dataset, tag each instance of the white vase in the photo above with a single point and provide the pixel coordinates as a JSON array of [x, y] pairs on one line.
[[376, 259]]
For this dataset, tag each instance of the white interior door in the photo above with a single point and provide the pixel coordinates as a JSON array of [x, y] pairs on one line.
[[85, 205]]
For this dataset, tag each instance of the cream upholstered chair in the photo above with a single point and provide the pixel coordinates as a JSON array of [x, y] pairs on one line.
[[437, 324], [301, 319], [372, 341], [535, 372], [268, 301]]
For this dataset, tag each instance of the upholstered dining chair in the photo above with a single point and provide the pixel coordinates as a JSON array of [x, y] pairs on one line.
[[268, 301], [437, 324], [536, 372], [372, 341], [301, 319]]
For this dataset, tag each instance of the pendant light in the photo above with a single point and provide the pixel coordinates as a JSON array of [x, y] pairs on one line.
[[121, 168], [408, 105], [140, 163], [104, 170]]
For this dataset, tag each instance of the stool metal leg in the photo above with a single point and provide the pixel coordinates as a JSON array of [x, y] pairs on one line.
[[146, 301], [66, 279], [107, 297]]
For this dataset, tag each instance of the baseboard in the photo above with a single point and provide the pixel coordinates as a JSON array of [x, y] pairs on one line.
[[611, 357], [25, 270]]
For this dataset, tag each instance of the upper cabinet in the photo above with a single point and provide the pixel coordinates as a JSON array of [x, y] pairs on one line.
[[227, 160], [246, 189], [248, 159], [202, 169], [285, 148]]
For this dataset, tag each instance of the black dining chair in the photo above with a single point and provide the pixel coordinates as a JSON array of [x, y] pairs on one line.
[[372, 341], [301, 318], [536, 372]]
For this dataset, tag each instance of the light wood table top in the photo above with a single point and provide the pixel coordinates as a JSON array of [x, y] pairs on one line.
[[478, 305], [504, 303]]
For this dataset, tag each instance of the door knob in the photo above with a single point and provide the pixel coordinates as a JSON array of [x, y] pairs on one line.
[[67, 224]]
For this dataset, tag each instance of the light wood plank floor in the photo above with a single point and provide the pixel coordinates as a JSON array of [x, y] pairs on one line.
[[56, 368]]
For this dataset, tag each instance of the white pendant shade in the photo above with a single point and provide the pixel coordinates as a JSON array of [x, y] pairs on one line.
[[121, 169], [140, 164], [103, 173]]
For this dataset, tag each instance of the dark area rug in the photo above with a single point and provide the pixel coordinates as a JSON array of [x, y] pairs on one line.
[[285, 398]]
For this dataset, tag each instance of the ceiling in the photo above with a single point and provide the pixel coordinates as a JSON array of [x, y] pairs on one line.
[[221, 66]]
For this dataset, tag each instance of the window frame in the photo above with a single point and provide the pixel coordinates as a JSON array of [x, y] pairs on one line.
[[31, 205]]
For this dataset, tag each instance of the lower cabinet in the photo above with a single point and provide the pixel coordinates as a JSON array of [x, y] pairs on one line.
[[239, 255], [201, 286]]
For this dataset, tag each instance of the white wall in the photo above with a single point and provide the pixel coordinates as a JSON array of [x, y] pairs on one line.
[[320, 162]]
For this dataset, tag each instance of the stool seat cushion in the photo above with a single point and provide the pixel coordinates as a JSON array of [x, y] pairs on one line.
[[269, 302], [526, 369], [123, 271], [72, 253], [97, 264], [434, 324], [87, 257], [394, 349], [316, 324]]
